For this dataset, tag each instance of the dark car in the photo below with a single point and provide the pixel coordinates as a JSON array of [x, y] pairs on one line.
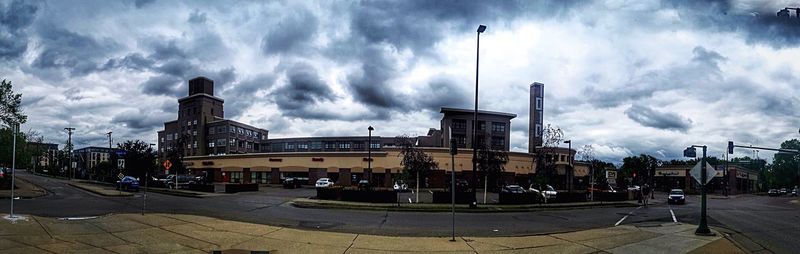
[[128, 183], [773, 192], [291, 183], [364, 185]]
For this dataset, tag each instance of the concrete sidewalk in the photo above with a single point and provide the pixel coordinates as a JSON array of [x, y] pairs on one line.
[[462, 208], [24, 189], [166, 233]]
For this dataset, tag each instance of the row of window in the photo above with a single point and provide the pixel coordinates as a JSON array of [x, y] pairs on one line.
[[318, 145], [461, 124], [235, 129]]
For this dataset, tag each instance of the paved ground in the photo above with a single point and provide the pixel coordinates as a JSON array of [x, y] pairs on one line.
[[761, 223], [166, 233], [23, 190]]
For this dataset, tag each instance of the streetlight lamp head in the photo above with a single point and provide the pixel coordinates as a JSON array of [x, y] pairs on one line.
[[370, 128], [568, 141], [481, 28]]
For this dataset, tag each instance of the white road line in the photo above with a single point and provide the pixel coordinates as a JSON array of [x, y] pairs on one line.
[[673, 215], [626, 216]]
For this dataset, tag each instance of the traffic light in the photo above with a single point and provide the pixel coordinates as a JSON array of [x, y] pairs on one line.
[[730, 147]]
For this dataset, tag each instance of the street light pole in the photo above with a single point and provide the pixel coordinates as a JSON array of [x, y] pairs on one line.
[[70, 173], [13, 167], [569, 172], [481, 29], [369, 151]]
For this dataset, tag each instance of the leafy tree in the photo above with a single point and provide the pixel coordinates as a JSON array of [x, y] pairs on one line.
[[105, 171], [415, 161], [643, 165], [492, 163], [10, 110], [784, 169], [139, 158], [545, 160], [586, 153], [175, 154]]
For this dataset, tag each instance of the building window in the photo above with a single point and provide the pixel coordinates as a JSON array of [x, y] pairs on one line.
[[481, 125], [538, 131], [195, 122], [210, 144], [461, 140], [459, 124], [316, 145], [330, 145], [276, 147], [359, 146], [289, 146], [498, 127], [541, 119], [194, 133], [232, 129], [194, 144], [211, 130], [344, 145], [498, 142], [236, 177], [232, 142], [375, 145], [162, 139], [538, 103], [221, 142], [302, 145]]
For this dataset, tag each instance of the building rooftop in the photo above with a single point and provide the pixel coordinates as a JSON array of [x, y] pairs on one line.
[[446, 110]]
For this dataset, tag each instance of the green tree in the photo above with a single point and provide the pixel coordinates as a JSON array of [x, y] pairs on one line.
[[175, 154], [415, 161], [783, 172], [10, 106], [545, 160], [139, 158], [105, 171], [643, 165], [492, 163]]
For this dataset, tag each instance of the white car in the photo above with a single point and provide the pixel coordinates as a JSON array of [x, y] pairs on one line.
[[548, 192], [324, 183], [676, 196], [400, 186]]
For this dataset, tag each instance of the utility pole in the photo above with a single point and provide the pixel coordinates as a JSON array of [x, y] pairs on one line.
[[13, 167], [71, 171]]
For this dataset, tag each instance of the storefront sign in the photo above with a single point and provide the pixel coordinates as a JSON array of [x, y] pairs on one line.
[[741, 174], [317, 159], [208, 163], [275, 159], [670, 172], [611, 174]]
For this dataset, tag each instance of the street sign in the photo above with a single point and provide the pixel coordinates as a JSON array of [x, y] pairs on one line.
[[120, 176], [167, 165], [121, 152], [697, 171], [611, 174], [121, 163]]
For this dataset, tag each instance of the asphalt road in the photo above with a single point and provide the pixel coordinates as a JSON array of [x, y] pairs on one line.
[[762, 223]]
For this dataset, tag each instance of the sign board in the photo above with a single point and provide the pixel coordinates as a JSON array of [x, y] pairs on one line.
[[121, 152], [611, 174], [121, 163], [167, 165], [697, 171], [120, 176]]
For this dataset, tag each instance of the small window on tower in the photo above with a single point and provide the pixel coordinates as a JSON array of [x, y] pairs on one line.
[[538, 103]]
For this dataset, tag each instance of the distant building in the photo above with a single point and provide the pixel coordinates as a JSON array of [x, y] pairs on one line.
[[494, 128], [88, 157], [44, 154]]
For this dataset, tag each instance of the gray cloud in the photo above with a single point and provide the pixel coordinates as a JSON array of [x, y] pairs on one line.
[[162, 85], [294, 31], [197, 17], [15, 18], [138, 120], [441, 92], [142, 3], [661, 120], [370, 87], [240, 95], [79, 54], [302, 92]]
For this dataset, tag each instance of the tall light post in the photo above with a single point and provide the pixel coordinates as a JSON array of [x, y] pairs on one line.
[[569, 172], [481, 29], [69, 150], [13, 167], [369, 151], [702, 229]]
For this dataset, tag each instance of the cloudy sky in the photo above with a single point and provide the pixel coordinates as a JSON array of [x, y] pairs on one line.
[[627, 77]]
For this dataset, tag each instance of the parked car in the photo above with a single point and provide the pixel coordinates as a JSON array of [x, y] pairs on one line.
[[364, 184], [513, 189], [291, 183], [400, 186], [676, 196], [783, 191], [773, 192], [324, 183], [635, 188], [547, 192], [599, 188], [794, 192], [183, 181], [128, 183]]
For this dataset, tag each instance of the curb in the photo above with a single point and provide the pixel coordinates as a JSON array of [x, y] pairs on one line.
[[303, 203], [121, 194], [175, 193]]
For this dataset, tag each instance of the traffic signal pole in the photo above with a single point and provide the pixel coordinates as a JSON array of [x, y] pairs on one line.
[[703, 228]]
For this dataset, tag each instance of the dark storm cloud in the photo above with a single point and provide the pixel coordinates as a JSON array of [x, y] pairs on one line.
[[294, 31], [79, 54], [439, 93], [370, 86], [142, 3], [759, 24], [134, 61], [161, 85], [15, 18], [302, 92], [660, 120], [197, 17], [241, 95]]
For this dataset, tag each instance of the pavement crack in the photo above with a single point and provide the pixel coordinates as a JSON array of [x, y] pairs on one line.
[[467, 242], [581, 244], [43, 227], [385, 217], [351, 243]]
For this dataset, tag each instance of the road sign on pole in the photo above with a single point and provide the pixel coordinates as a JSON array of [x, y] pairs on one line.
[[697, 173], [120, 176], [120, 163], [167, 164]]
